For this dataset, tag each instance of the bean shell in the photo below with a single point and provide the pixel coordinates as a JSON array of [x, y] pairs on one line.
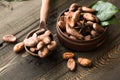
[[98, 28], [43, 53], [40, 45], [94, 33], [52, 45], [18, 47], [73, 37], [68, 55], [30, 42], [86, 9], [89, 16], [32, 49], [88, 37], [71, 64], [73, 7], [84, 62], [61, 24], [9, 38], [47, 40]]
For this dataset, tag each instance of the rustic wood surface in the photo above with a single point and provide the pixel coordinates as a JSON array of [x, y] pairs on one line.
[[25, 17]]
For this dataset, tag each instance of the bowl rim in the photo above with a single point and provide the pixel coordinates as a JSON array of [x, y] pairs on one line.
[[93, 39]]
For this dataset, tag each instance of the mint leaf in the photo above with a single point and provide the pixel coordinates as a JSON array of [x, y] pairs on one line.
[[113, 20], [105, 10]]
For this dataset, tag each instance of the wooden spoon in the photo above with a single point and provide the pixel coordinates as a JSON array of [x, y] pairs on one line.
[[42, 25]]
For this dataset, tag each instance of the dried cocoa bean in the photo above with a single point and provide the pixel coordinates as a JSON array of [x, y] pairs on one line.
[[84, 62], [73, 7], [61, 24], [72, 37], [32, 49], [98, 28], [71, 64], [40, 45], [94, 33], [89, 16], [9, 38], [68, 55], [86, 9], [73, 32], [43, 53], [88, 37], [18, 47], [52, 45]]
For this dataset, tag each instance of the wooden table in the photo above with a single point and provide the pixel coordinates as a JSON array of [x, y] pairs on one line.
[[24, 17]]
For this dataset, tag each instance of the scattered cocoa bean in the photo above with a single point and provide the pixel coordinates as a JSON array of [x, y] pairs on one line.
[[68, 55], [84, 62], [71, 64], [18, 47], [9, 38]]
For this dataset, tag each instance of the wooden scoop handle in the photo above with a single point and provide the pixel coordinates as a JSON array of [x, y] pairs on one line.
[[44, 12]]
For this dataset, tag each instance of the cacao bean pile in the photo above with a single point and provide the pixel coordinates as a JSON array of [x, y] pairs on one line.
[[40, 43], [80, 23]]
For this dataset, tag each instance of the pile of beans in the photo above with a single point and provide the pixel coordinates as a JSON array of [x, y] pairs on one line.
[[80, 23]]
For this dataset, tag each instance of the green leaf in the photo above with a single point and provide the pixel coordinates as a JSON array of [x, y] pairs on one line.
[[105, 10], [105, 23], [113, 20]]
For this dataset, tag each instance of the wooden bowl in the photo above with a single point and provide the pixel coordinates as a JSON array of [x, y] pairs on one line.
[[80, 45]]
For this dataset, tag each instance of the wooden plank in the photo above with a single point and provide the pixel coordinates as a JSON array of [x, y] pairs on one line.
[[21, 17], [26, 67]]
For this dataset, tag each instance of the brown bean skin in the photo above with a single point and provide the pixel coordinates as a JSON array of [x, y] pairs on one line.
[[18, 47], [88, 37], [84, 62], [86, 9], [43, 53], [98, 28], [68, 55], [71, 64], [89, 16], [52, 45], [61, 24], [9, 38], [73, 7], [73, 32]]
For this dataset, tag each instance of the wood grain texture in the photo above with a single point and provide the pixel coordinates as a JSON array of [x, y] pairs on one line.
[[26, 67]]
